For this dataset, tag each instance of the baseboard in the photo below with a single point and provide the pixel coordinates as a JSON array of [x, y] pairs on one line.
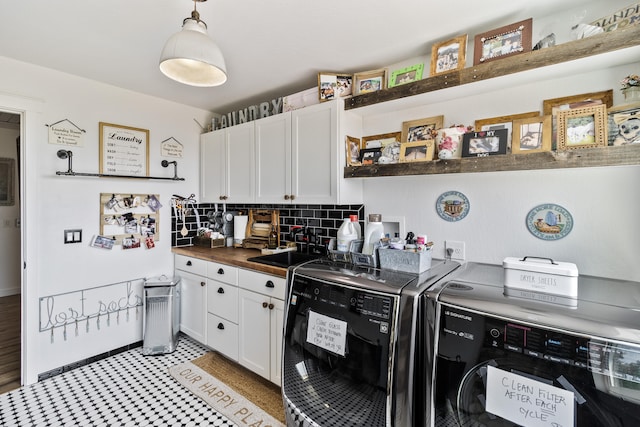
[[9, 292]]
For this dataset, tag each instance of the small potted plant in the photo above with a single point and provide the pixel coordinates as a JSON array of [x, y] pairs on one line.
[[631, 87]]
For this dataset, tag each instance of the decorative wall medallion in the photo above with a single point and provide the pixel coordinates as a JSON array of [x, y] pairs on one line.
[[549, 221], [452, 206]]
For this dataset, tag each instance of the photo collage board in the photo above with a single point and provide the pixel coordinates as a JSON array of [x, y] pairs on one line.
[[130, 220]]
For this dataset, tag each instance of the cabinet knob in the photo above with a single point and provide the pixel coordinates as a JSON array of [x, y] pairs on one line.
[[265, 305], [292, 197], [221, 197], [220, 271], [270, 306], [220, 291], [286, 197], [203, 283], [189, 263], [220, 326], [269, 284]]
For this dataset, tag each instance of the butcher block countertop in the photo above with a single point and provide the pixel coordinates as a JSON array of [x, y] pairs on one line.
[[231, 256]]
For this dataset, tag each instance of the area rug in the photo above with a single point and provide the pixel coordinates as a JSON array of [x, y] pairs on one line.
[[235, 392]]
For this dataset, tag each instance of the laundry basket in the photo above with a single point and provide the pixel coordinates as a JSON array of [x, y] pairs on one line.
[[161, 320]]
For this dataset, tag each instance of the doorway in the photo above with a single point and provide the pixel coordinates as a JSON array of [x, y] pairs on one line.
[[10, 255]]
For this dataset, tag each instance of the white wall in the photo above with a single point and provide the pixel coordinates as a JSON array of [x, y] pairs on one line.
[[9, 231], [54, 203], [603, 200]]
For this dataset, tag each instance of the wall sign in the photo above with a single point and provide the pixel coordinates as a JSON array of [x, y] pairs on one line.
[[66, 132], [452, 206], [549, 221], [124, 150], [171, 147], [249, 114]]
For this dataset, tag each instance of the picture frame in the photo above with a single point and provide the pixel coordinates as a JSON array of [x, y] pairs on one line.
[[484, 143], [124, 150], [388, 143], [504, 122], [584, 127], [551, 106], [7, 181], [334, 85], [505, 41], [352, 146], [531, 135], [370, 81], [379, 139], [449, 55], [406, 75], [624, 124], [421, 129], [370, 156], [419, 151]]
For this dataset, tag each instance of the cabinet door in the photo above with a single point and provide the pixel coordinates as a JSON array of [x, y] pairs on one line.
[[193, 301], [240, 167], [314, 159], [213, 166], [222, 336], [273, 158], [254, 336], [277, 331]]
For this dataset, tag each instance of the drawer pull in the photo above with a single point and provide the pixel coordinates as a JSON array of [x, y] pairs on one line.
[[220, 271], [220, 291], [203, 283], [271, 306], [269, 284], [265, 305], [189, 263], [220, 326]]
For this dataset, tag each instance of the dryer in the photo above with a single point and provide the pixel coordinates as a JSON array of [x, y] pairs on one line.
[[523, 359]]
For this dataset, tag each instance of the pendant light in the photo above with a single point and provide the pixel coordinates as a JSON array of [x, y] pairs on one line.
[[191, 57]]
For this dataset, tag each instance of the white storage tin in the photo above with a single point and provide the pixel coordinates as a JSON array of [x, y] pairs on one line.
[[541, 275]]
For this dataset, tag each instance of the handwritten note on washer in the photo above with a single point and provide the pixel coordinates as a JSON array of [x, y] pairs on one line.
[[124, 150], [528, 402], [327, 333]]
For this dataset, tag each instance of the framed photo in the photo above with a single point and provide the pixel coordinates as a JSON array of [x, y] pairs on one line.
[[406, 75], [531, 135], [504, 122], [370, 156], [7, 182], [124, 150], [420, 151], [449, 55], [502, 42], [332, 86], [421, 129], [624, 124], [551, 106], [374, 141], [352, 146], [582, 127], [369, 81], [484, 143]]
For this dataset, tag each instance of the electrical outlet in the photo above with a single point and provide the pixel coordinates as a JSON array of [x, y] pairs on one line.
[[457, 247]]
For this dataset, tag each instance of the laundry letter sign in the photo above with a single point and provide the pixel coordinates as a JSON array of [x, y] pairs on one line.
[[327, 333], [528, 402], [124, 150]]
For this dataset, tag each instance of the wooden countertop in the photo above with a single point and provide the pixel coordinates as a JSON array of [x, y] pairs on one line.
[[231, 256]]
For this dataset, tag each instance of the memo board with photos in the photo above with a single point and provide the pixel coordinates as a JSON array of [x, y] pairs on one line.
[[130, 216]]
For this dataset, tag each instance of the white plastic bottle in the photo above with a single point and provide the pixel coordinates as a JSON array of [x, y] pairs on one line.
[[356, 225], [373, 232], [346, 233]]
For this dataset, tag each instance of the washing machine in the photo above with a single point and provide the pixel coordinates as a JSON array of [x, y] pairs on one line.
[[500, 357]]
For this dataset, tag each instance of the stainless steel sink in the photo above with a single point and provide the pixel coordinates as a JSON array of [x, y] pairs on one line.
[[284, 259]]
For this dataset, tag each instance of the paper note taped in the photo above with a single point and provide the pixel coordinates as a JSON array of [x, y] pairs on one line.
[[327, 333]]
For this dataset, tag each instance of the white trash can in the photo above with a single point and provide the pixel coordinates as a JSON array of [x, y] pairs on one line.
[[161, 320]]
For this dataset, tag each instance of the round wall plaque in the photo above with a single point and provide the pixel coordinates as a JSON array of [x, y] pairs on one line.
[[549, 221], [452, 206]]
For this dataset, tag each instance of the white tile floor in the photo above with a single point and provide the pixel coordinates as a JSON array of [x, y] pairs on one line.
[[127, 389]]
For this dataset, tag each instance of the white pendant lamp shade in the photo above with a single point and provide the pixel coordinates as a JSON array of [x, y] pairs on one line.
[[192, 58]]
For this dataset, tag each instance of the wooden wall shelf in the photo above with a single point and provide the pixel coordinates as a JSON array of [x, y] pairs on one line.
[[586, 157], [602, 43]]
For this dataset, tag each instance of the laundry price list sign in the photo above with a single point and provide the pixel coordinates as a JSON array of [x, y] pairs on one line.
[[124, 150]]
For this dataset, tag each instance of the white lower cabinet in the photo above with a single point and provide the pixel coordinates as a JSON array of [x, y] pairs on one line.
[[193, 288], [260, 323], [222, 309]]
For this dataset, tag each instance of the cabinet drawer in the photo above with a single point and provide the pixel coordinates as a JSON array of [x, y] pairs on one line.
[[222, 300], [222, 336], [264, 284], [190, 264], [222, 273]]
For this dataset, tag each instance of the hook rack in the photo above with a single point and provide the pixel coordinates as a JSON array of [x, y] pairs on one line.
[[67, 154]]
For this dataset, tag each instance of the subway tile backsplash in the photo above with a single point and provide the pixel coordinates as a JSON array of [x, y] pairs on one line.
[[323, 220]]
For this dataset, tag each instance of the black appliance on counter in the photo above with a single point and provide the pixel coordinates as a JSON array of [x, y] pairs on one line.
[[518, 358], [350, 344]]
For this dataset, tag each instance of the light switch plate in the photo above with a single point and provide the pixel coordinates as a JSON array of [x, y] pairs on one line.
[[72, 236]]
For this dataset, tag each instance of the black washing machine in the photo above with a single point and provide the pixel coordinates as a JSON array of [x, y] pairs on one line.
[[516, 358], [350, 344]]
